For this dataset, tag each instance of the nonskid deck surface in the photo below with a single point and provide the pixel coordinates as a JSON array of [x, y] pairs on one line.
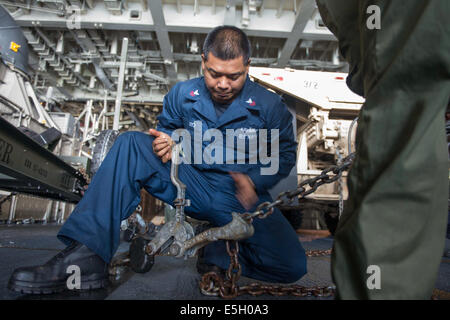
[[169, 279]]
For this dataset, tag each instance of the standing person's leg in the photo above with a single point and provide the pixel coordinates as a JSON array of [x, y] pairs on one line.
[[398, 186]]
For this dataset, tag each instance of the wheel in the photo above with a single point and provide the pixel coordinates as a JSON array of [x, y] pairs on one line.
[[105, 141], [129, 233], [140, 261]]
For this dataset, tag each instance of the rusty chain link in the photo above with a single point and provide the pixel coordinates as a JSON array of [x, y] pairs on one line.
[[213, 284], [83, 181], [340, 185]]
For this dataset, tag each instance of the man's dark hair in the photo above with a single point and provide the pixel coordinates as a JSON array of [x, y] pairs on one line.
[[226, 43]]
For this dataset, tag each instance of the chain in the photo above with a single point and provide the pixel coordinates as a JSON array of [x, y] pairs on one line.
[[84, 175], [83, 181], [213, 284], [305, 188], [340, 184]]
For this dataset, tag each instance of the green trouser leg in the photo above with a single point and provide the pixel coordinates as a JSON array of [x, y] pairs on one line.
[[397, 211], [396, 214]]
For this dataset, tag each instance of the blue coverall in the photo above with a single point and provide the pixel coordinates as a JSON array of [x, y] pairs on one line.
[[273, 253]]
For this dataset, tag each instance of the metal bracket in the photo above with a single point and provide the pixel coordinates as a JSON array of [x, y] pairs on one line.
[[177, 237], [237, 229]]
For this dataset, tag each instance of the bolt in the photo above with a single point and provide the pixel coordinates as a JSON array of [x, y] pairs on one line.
[[175, 249], [149, 249]]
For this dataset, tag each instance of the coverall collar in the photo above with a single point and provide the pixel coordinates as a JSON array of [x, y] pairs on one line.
[[239, 107]]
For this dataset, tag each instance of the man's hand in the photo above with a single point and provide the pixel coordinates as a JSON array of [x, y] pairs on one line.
[[162, 145], [245, 191]]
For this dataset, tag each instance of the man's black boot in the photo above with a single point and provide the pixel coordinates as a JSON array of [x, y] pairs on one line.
[[52, 276]]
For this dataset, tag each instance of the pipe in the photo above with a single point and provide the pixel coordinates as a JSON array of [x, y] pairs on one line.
[[12, 209], [102, 76], [47, 213], [62, 213], [349, 135], [123, 60], [55, 210]]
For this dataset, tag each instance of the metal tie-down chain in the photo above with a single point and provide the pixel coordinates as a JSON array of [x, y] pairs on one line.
[[340, 184], [213, 284]]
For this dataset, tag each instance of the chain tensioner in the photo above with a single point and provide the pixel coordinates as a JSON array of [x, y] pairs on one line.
[[213, 284]]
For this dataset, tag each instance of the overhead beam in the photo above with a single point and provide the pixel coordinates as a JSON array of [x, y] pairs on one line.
[[49, 75], [100, 18], [304, 14], [162, 33], [84, 41], [280, 8], [230, 13], [213, 7], [145, 96], [52, 46]]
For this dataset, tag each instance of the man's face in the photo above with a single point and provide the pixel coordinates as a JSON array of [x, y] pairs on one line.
[[224, 78]]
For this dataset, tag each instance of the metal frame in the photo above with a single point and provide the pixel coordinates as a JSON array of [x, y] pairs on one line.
[[123, 60], [27, 167], [304, 14], [103, 23]]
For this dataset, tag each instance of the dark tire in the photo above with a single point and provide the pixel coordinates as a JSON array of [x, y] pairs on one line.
[[294, 217], [140, 261], [129, 233], [105, 141]]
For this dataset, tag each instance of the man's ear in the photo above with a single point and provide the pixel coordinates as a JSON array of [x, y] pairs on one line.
[[247, 67], [203, 63]]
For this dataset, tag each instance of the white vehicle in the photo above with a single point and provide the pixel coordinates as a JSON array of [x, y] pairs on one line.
[[325, 111]]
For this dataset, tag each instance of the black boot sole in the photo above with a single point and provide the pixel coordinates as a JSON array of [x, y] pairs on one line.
[[38, 288]]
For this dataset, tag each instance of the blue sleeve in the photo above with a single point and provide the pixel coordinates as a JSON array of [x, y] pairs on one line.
[[279, 118], [171, 116]]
